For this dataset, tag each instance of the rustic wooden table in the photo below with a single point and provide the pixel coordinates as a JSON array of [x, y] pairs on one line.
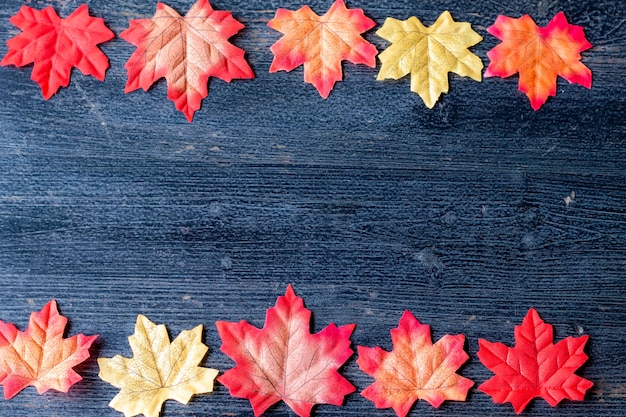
[[367, 202]]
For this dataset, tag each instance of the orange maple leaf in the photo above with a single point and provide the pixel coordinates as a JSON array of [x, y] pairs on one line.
[[539, 54], [40, 356], [415, 368], [186, 51], [321, 43], [284, 361]]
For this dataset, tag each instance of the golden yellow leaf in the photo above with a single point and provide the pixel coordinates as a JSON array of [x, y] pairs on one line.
[[158, 371], [429, 54]]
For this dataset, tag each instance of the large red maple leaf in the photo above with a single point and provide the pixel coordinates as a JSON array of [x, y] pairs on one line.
[[539, 54], [40, 356], [56, 45], [416, 368], [186, 51], [284, 361], [321, 43], [535, 367]]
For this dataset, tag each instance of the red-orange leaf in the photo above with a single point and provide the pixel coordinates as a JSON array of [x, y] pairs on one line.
[[539, 54], [321, 43], [186, 51], [284, 361], [57, 45], [40, 356], [415, 369], [535, 367]]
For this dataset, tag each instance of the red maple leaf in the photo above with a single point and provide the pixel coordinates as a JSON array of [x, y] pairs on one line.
[[535, 367], [321, 43], [284, 361], [56, 45], [40, 356], [540, 55], [416, 368], [186, 51]]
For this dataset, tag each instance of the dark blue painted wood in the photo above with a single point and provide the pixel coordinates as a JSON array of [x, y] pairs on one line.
[[367, 202]]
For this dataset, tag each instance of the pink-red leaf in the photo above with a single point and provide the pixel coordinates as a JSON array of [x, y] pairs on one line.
[[540, 55], [56, 45], [415, 368], [186, 51], [40, 356], [284, 361], [321, 43], [535, 367]]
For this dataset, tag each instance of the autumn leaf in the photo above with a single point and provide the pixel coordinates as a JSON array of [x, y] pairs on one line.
[[284, 361], [535, 367], [40, 356], [186, 51], [415, 368], [429, 54], [539, 54], [321, 43], [56, 45], [158, 371]]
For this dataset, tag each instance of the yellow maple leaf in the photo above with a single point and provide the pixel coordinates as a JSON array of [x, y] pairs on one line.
[[158, 371], [429, 54]]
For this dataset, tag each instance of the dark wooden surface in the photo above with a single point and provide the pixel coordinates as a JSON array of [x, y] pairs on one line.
[[368, 202]]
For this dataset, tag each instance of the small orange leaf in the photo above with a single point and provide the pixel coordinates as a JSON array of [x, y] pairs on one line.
[[415, 369], [186, 51], [321, 43], [40, 356], [540, 55], [284, 361]]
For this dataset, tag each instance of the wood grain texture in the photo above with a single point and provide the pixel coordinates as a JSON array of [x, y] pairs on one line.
[[368, 202]]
